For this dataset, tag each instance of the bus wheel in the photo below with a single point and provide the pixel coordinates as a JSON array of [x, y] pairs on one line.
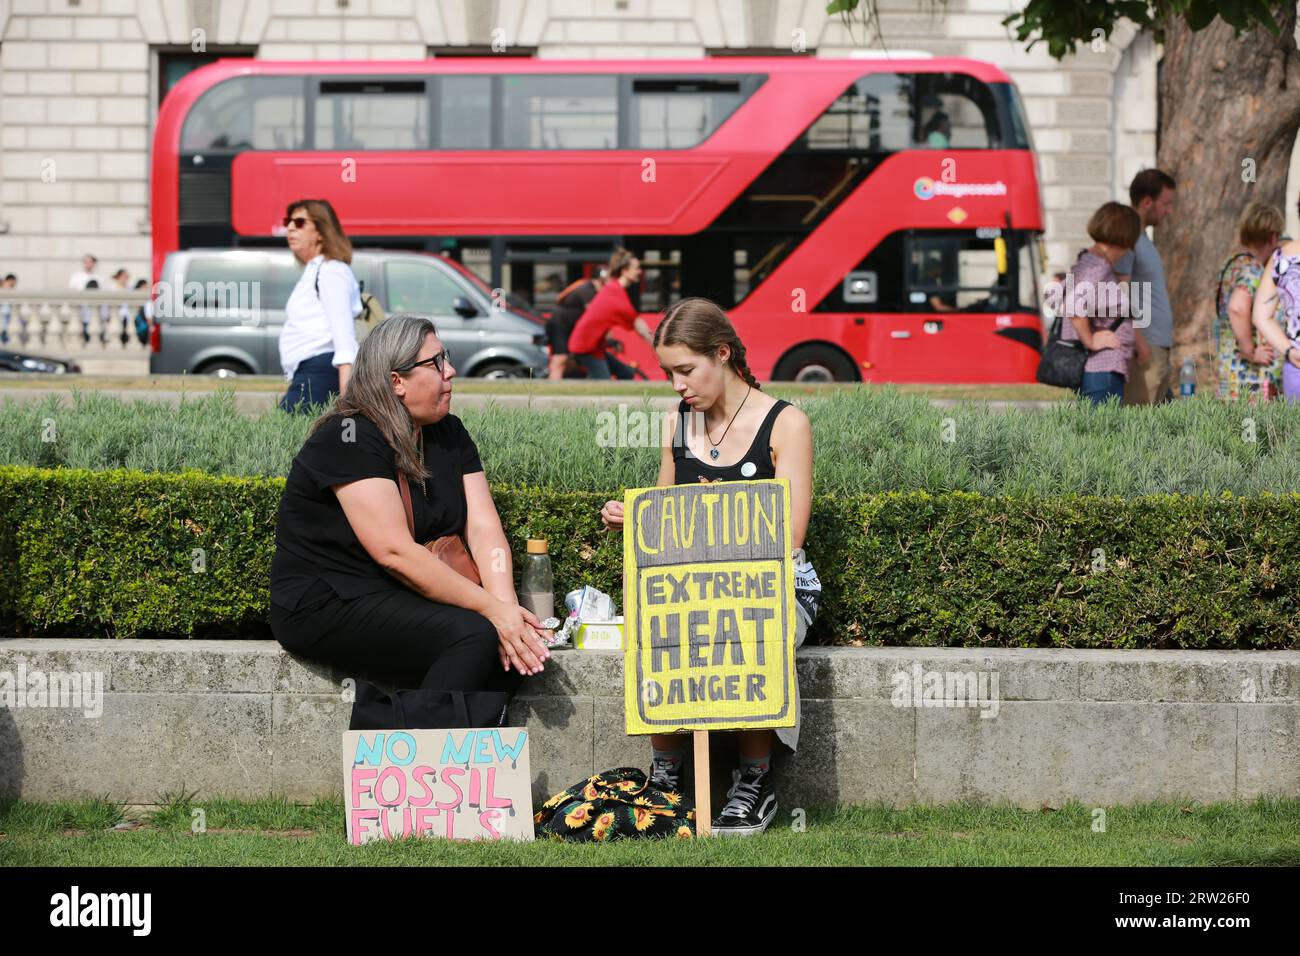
[[815, 363]]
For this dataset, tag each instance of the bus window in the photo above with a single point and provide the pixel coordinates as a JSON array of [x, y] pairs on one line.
[[955, 274], [559, 112], [885, 112], [372, 114], [955, 112], [251, 112], [875, 284], [1027, 286], [661, 278], [478, 260], [873, 115], [465, 112], [420, 288], [680, 113]]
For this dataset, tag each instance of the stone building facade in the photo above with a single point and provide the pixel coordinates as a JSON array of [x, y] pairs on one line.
[[80, 83]]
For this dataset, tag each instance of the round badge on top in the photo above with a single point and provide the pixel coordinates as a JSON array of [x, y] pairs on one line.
[[749, 469]]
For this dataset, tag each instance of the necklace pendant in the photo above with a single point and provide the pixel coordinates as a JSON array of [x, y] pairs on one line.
[[713, 453]]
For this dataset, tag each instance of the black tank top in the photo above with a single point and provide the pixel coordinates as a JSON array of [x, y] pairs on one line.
[[753, 465]]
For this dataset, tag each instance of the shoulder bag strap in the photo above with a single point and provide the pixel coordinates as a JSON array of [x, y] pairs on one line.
[[405, 488], [1218, 286]]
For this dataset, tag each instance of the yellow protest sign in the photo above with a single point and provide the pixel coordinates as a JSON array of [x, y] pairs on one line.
[[708, 584]]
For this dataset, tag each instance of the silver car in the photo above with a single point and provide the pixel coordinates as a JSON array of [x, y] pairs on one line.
[[220, 311]]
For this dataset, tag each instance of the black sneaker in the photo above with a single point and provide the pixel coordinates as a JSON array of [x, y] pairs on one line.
[[662, 777], [751, 805]]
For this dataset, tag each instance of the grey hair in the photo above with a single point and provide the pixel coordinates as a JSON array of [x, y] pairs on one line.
[[393, 344]]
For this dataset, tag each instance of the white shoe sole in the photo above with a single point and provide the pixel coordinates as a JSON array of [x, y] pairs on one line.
[[747, 831]]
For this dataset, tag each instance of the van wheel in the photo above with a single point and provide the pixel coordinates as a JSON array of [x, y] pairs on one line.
[[497, 370], [815, 363], [226, 368]]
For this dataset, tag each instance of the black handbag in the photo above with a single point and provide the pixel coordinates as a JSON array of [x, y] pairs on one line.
[[1062, 361], [373, 709]]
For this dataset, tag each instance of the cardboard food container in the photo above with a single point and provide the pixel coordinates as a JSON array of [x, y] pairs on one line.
[[600, 635]]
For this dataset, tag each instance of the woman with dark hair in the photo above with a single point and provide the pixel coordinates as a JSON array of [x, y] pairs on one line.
[[318, 341], [351, 587], [612, 307], [726, 429]]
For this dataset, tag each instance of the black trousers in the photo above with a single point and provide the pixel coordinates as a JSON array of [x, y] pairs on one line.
[[395, 637]]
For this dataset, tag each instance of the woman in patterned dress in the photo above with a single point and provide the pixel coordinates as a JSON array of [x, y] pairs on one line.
[[1247, 365]]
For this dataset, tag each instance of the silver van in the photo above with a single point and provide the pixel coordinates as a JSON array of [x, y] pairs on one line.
[[220, 311]]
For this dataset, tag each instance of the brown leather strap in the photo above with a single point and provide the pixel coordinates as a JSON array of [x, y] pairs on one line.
[[406, 501]]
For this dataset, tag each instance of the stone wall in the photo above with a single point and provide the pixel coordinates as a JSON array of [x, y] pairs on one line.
[[243, 718]]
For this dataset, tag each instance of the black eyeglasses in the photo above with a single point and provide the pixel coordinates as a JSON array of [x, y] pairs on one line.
[[437, 361], [295, 221]]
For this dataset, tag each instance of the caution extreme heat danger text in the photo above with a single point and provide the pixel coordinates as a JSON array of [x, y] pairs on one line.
[[709, 592]]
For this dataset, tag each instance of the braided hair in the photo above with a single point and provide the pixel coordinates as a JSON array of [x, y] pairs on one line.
[[701, 326]]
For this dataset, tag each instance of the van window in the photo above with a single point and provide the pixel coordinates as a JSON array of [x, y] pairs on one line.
[[220, 285], [420, 288], [285, 271], [283, 275]]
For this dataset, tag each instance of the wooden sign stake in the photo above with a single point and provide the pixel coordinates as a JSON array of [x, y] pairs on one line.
[[703, 786]]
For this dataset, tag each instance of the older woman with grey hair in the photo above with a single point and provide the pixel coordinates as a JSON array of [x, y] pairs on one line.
[[351, 586]]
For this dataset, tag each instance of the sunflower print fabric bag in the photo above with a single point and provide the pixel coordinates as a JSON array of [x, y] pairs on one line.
[[615, 804]]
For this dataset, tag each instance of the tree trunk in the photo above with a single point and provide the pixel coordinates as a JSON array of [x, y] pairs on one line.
[[1223, 101]]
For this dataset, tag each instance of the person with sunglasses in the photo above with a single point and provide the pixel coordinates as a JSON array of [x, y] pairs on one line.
[[352, 587], [318, 342]]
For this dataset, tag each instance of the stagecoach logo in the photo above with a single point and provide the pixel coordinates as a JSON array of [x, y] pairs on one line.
[[927, 188]]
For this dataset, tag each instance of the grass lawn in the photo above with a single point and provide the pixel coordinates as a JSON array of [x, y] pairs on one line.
[[276, 833], [578, 387]]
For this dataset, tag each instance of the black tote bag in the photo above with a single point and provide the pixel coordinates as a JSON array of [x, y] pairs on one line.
[[426, 709], [1063, 361]]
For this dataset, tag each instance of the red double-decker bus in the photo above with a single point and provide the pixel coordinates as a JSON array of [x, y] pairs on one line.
[[873, 220]]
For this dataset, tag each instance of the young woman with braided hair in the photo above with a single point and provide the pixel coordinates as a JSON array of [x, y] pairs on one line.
[[727, 429]]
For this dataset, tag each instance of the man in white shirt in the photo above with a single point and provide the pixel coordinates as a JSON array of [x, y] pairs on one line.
[[80, 279]]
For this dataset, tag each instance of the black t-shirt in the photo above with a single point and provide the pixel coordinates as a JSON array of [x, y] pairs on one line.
[[757, 463], [312, 536], [575, 303]]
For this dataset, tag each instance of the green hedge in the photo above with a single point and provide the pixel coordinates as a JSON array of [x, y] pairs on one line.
[[110, 553], [865, 441]]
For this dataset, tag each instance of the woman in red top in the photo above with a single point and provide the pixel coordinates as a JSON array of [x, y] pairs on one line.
[[611, 307]]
